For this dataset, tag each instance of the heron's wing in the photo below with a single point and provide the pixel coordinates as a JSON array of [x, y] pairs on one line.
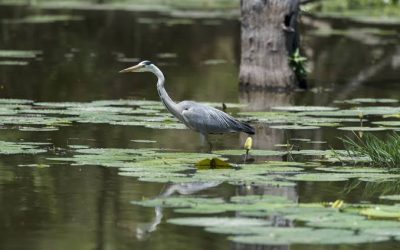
[[207, 119]]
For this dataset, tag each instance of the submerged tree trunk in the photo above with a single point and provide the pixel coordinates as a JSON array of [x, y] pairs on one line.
[[269, 35]]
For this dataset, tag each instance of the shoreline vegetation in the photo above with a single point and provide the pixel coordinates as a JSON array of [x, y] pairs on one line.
[[360, 11], [382, 152]]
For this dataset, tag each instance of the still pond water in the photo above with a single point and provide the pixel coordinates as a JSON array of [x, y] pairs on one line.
[[65, 67]]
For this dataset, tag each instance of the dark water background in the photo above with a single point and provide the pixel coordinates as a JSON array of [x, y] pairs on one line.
[[70, 207]]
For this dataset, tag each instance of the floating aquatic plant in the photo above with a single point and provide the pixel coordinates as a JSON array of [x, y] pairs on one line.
[[10, 148], [253, 221]]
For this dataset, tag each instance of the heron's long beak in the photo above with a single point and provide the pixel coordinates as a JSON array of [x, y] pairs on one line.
[[131, 69]]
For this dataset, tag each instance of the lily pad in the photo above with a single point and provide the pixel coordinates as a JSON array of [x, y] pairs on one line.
[[217, 221], [363, 128], [352, 169], [45, 19], [320, 177], [394, 197], [255, 152], [382, 212], [13, 63], [294, 127], [19, 53], [387, 123], [38, 129], [10, 148], [304, 108], [284, 236], [368, 100], [178, 202]]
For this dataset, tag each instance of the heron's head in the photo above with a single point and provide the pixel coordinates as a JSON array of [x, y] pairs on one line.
[[145, 66]]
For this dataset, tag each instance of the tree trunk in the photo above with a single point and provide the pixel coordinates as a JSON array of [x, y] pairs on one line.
[[269, 36]]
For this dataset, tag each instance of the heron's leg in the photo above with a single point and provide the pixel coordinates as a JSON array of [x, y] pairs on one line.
[[206, 141]]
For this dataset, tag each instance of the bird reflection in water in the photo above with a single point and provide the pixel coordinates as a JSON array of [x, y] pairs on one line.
[[144, 230]]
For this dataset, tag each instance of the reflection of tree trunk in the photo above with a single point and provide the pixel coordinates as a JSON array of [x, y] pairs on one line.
[[269, 35]]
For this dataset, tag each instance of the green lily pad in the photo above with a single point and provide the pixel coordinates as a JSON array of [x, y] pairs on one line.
[[14, 101], [217, 221], [368, 100], [144, 141], [320, 177], [34, 165], [352, 169], [304, 108], [255, 152], [44, 19], [382, 212], [10, 148], [251, 199], [38, 129], [388, 123], [19, 53], [363, 128], [390, 231], [394, 197], [284, 236], [351, 222], [294, 127], [178, 202], [13, 63]]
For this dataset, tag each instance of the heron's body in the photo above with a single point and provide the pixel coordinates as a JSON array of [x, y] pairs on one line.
[[201, 118]]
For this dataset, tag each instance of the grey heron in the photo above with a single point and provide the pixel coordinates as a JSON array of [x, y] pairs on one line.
[[199, 117]]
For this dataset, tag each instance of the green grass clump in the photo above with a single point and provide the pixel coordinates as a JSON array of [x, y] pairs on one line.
[[382, 152]]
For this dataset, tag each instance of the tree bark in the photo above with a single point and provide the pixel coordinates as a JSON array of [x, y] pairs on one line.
[[269, 34]]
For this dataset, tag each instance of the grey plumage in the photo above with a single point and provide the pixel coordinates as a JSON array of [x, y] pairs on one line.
[[199, 117], [209, 120]]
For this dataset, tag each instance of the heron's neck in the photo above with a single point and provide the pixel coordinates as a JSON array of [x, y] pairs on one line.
[[165, 99]]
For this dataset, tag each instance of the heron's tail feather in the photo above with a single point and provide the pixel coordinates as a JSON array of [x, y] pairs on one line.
[[247, 128]]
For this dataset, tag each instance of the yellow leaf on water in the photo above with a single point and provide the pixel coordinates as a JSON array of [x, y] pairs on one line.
[[213, 163]]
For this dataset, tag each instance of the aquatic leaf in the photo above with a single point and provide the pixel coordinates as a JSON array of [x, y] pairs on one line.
[[255, 152], [284, 236], [382, 212], [9, 148], [395, 197], [178, 202], [213, 163], [304, 108], [19, 53], [251, 199], [387, 123], [14, 101], [44, 19], [348, 221], [13, 63], [352, 169], [363, 128], [34, 165], [293, 127], [320, 177], [144, 141], [38, 129], [217, 221], [269, 168], [389, 231], [368, 100]]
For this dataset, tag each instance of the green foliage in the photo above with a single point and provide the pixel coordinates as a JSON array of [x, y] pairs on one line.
[[382, 152], [297, 63]]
